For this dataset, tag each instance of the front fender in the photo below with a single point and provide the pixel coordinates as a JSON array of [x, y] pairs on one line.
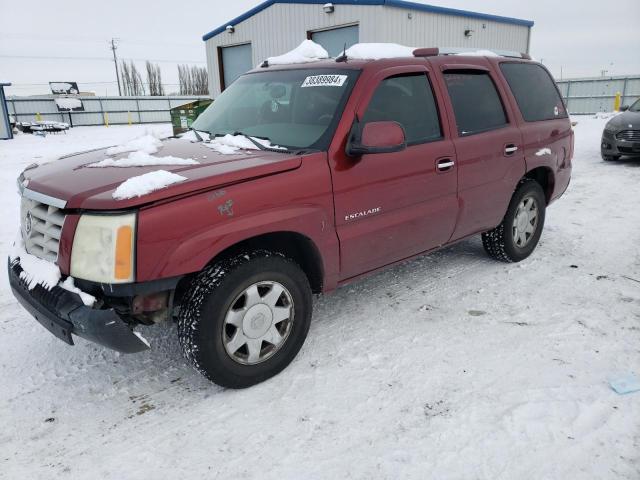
[[183, 236]]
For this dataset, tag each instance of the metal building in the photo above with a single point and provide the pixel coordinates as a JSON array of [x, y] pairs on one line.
[[277, 26], [5, 126]]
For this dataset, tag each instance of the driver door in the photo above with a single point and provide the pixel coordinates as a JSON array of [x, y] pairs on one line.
[[390, 206]]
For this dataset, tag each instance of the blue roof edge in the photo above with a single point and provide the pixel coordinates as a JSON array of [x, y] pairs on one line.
[[390, 3]]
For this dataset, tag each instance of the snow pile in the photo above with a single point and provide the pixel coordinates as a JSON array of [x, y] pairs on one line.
[[145, 184], [232, 144], [35, 271], [479, 53], [142, 159], [146, 143], [308, 51], [70, 286], [65, 103], [543, 151], [376, 51]]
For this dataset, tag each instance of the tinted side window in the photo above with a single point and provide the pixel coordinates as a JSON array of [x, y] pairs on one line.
[[408, 100], [535, 92], [476, 103]]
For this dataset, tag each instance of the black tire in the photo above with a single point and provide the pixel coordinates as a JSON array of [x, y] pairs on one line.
[[211, 293], [499, 243], [610, 158]]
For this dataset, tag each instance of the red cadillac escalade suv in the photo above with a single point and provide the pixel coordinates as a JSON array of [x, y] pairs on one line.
[[348, 166]]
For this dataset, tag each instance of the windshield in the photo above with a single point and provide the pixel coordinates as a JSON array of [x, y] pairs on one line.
[[291, 108], [636, 106]]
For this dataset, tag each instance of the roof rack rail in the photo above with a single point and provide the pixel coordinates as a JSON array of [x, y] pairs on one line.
[[435, 51], [426, 52]]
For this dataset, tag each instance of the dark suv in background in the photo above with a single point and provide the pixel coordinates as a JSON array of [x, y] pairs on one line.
[[621, 135]]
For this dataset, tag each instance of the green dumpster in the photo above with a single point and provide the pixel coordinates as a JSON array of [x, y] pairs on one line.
[[183, 116]]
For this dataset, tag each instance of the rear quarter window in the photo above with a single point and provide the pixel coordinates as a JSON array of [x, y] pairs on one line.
[[534, 91]]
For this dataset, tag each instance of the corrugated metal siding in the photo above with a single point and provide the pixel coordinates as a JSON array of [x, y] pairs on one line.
[[438, 30], [591, 95], [281, 27], [119, 109]]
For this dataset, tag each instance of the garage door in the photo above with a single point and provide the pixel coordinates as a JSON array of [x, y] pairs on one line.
[[334, 40], [235, 61]]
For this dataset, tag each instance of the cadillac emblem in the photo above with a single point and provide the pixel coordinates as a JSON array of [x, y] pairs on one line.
[[28, 223]]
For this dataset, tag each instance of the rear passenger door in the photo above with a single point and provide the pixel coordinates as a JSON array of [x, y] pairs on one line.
[[488, 147], [546, 129], [390, 206]]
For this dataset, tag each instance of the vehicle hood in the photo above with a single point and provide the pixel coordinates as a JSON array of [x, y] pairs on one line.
[[71, 180], [623, 120]]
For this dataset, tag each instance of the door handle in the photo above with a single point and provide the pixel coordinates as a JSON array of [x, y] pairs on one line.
[[510, 149], [444, 164]]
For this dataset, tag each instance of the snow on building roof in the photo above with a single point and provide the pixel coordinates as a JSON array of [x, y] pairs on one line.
[[389, 3]]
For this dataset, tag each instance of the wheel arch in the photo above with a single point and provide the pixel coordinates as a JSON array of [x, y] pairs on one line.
[[545, 178], [293, 245]]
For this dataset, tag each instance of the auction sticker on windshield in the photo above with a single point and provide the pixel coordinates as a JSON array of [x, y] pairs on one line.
[[324, 81]]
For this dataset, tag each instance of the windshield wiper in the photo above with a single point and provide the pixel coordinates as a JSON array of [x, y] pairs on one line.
[[195, 132], [261, 146]]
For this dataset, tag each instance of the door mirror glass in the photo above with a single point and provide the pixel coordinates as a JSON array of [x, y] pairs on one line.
[[376, 137]]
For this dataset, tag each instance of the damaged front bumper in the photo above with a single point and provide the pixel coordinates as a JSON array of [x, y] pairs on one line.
[[63, 314]]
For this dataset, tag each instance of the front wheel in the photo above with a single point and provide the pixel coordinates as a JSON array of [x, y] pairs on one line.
[[518, 234], [245, 318]]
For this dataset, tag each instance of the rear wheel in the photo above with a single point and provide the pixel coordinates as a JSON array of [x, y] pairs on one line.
[[518, 234], [245, 318]]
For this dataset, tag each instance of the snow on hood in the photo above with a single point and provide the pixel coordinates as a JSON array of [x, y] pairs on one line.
[[146, 143], [142, 159], [191, 136], [377, 51], [308, 51], [146, 183], [232, 144]]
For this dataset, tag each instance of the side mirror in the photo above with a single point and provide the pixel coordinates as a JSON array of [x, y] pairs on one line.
[[624, 108], [376, 137]]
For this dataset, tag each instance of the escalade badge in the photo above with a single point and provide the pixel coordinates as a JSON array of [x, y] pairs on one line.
[[365, 213], [28, 223]]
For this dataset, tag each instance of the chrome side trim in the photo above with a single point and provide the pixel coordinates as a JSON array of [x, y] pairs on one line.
[[42, 198]]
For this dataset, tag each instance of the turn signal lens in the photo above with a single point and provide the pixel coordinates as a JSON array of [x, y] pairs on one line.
[[124, 250]]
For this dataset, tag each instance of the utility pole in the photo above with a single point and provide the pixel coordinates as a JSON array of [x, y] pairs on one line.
[[113, 48]]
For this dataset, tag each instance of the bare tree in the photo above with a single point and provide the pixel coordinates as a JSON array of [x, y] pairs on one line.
[[154, 79], [193, 80], [132, 80]]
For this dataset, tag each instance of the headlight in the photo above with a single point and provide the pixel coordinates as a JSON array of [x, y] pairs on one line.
[[609, 128], [103, 248]]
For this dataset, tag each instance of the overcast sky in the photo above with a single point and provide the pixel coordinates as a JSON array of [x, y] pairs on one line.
[[42, 41]]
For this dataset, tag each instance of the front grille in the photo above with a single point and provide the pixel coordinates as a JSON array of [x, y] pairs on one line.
[[41, 226], [629, 135]]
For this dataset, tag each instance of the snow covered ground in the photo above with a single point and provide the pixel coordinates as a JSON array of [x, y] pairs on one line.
[[451, 366]]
